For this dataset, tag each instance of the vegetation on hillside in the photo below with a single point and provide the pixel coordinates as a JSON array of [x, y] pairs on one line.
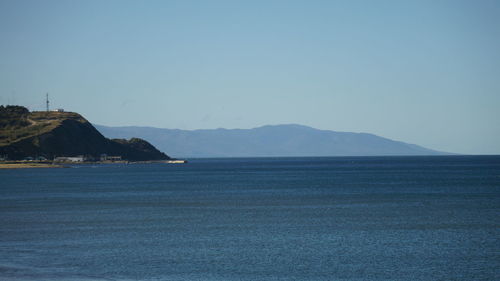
[[50, 134], [18, 123]]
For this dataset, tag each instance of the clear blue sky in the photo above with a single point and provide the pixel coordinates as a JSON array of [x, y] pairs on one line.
[[424, 72]]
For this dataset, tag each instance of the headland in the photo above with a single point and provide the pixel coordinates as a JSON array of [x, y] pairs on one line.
[[51, 138]]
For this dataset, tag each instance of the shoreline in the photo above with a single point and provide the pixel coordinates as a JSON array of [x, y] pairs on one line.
[[50, 164], [29, 165]]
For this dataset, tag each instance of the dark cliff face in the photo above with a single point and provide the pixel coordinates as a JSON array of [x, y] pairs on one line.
[[136, 149], [52, 134]]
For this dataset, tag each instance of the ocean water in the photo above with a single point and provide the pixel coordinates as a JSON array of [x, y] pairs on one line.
[[344, 218]]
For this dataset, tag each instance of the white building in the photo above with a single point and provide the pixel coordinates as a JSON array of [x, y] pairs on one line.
[[70, 159]]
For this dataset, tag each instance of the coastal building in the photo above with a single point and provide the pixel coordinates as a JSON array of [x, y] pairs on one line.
[[79, 158], [105, 157]]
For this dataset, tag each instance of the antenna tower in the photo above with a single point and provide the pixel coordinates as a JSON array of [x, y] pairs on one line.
[[47, 101]]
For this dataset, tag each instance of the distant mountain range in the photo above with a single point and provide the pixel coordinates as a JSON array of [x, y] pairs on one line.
[[266, 141]]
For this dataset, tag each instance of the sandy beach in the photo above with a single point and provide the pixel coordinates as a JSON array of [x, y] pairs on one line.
[[24, 165]]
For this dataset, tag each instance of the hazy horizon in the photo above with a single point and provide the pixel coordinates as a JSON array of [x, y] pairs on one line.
[[422, 72]]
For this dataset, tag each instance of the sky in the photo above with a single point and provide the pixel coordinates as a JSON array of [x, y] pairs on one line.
[[422, 72]]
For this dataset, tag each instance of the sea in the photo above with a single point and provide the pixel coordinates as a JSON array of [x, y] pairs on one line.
[[332, 218]]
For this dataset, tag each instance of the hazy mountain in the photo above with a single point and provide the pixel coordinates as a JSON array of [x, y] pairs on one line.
[[278, 140]]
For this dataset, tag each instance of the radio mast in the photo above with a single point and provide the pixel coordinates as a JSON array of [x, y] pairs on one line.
[[47, 101]]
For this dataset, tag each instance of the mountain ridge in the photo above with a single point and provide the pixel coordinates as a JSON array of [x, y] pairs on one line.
[[268, 141]]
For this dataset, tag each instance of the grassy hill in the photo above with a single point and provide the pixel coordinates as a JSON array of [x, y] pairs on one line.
[[50, 134], [17, 123]]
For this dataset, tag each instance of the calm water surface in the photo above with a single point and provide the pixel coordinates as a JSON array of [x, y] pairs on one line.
[[346, 218]]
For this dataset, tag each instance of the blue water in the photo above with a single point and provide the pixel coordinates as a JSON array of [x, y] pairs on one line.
[[346, 218]]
